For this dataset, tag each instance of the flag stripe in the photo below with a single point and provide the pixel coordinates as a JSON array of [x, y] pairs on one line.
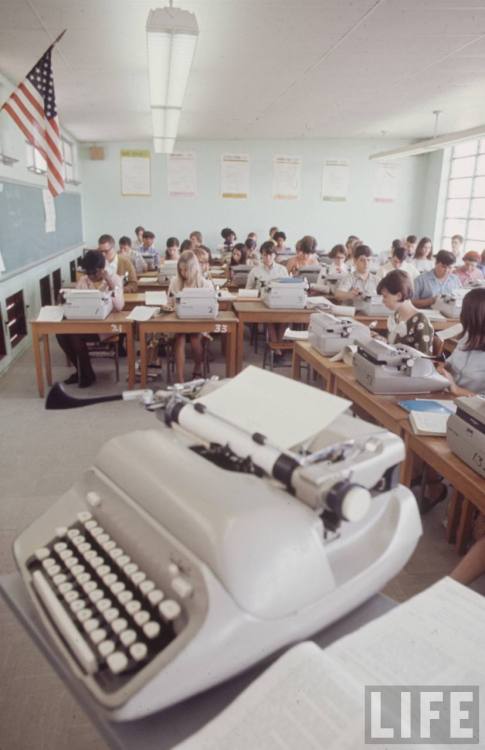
[[33, 97], [39, 124], [38, 138]]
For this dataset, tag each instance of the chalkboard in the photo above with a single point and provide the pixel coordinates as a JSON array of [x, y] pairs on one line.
[[23, 240]]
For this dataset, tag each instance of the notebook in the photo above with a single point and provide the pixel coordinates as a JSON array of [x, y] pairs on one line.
[[429, 423], [313, 699], [50, 314], [140, 313], [156, 298], [428, 405]]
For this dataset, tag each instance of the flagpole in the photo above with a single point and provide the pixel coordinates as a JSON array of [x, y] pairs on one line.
[[58, 38]]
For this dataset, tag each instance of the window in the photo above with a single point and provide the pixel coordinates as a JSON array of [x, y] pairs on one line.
[[68, 155], [45, 291], [16, 323], [72, 270], [56, 283], [35, 160], [465, 199]]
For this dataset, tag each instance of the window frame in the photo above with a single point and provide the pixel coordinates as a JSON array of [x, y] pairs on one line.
[[464, 222]]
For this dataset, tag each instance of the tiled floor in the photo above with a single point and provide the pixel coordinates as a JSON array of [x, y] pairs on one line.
[[41, 454]]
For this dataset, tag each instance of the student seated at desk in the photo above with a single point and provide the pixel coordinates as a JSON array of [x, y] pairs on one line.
[[441, 280], [268, 269], [238, 255], [338, 266], [138, 241], [305, 255], [410, 243], [457, 246], [189, 275], [172, 250], [135, 257], [196, 239], [465, 367], [118, 265], [407, 325], [229, 237], [398, 262], [351, 244], [423, 255], [281, 246], [96, 276], [203, 255], [253, 257], [469, 272], [148, 248], [360, 282]]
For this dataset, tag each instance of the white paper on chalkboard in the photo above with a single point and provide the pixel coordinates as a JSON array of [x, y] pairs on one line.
[[181, 175], [235, 176], [335, 180], [49, 211], [135, 172], [286, 177]]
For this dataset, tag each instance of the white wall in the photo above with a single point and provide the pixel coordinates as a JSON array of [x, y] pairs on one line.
[[106, 210], [12, 143]]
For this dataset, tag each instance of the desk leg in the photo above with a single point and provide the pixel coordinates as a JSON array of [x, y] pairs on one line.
[[454, 509], [130, 351], [240, 346], [47, 360], [464, 527], [331, 383], [38, 362], [296, 366], [143, 358], [231, 350], [407, 466]]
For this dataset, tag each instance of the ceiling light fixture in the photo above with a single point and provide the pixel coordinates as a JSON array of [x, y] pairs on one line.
[[431, 144], [171, 39]]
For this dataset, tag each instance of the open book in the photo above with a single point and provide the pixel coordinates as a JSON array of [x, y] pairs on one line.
[[429, 423], [312, 699]]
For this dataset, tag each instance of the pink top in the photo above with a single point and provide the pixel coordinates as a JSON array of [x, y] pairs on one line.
[[103, 286], [467, 276]]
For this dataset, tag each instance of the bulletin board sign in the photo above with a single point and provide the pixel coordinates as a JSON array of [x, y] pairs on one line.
[[234, 176], [135, 172]]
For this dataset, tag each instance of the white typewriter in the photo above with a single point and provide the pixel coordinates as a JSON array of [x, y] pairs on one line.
[[197, 303], [239, 275], [156, 582], [310, 273], [450, 304], [328, 280], [167, 271], [385, 369], [330, 334], [371, 305], [287, 293], [466, 432], [86, 304]]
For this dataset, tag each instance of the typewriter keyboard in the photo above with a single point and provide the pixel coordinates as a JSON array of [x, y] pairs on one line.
[[111, 616]]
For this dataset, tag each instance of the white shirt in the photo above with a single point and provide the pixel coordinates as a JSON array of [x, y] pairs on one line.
[[405, 266], [355, 280], [261, 274], [467, 368], [112, 265], [423, 264]]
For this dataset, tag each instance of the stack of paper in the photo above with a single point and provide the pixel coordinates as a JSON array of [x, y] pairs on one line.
[[50, 314], [428, 423], [248, 293], [156, 298], [324, 304], [142, 313], [291, 335], [148, 280]]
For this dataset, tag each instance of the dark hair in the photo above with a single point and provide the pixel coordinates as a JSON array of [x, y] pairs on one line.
[[351, 238], [396, 282], [337, 250], [226, 232], [250, 244], [399, 252], [419, 252], [457, 237], [362, 250], [125, 241], [206, 249], [197, 235], [412, 239], [172, 242], [272, 231], [307, 245], [472, 318], [148, 235], [279, 236], [445, 258], [242, 249], [93, 261], [472, 256], [267, 248], [139, 229], [396, 243], [186, 245], [106, 238]]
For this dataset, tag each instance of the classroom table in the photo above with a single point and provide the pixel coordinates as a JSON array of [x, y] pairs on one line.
[[468, 485], [153, 285], [115, 323], [226, 322], [304, 352], [255, 311], [382, 409], [132, 299], [167, 728]]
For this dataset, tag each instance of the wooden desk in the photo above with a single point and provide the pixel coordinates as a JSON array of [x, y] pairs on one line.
[[383, 409], [114, 323], [132, 299], [255, 311], [152, 286], [169, 323], [469, 486], [303, 351]]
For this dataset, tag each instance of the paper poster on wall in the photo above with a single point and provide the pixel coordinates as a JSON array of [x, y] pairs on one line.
[[286, 177], [385, 181], [49, 211], [234, 175], [335, 180], [135, 172], [181, 175]]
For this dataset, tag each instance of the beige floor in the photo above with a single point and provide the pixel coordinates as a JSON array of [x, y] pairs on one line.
[[40, 455]]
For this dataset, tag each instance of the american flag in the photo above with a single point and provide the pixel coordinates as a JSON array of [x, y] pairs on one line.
[[32, 106]]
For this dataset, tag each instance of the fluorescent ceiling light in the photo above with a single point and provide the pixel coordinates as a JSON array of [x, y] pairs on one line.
[[431, 144], [171, 38]]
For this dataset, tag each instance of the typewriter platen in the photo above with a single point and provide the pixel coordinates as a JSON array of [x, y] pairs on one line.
[[156, 582]]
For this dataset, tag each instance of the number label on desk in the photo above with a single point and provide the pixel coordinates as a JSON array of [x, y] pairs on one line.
[[116, 328], [220, 328]]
